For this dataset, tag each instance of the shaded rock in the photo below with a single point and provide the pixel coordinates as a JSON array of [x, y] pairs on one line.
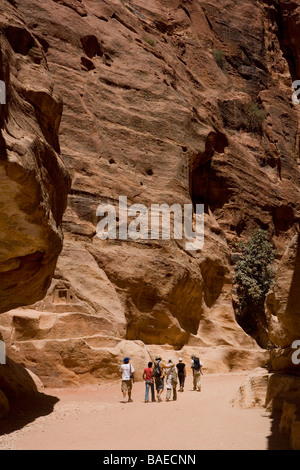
[[17, 381], [282, 305], [34, 185], [295, 434], [283, 397], [287, 417], [286, 291], [4, 405], [282, 387], [290, 14], [34, 181]]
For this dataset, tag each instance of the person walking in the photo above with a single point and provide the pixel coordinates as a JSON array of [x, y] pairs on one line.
[[171, 381], [196, 365], [149, 382], [127, 372], [181, 370], [159, 368], [158, 374]]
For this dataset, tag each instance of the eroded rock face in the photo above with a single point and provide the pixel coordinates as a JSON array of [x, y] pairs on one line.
[[253, 393], [283, 398], [34, 184], [283, 304], [33, 179], [4, 405], [149, 114], [283, 307]]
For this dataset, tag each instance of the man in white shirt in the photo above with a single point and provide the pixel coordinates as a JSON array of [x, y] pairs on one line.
[[127, 371]]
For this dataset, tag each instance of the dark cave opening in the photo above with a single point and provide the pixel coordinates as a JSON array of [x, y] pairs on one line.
[[207, 185]]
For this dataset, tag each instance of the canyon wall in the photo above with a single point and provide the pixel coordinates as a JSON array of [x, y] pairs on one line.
[[164, 101], [33, 179], [34, 184]]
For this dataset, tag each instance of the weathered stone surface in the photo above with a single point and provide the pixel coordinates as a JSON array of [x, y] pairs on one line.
[[290, 14], [4, 405], [17, 381], [283, 307], [282, 387], [253, 393], [290, 424], [33, 179], [295, 434], [34, 183], [69, 349], [74, 362], [287, 417], [150, 115], [283, 396], [286, 289], [279, 335]]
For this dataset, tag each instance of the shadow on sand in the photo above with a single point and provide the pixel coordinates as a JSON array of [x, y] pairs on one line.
[[277, 440], [26, 401], [25, 410]]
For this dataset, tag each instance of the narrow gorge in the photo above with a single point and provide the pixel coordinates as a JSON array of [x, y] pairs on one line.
[[163, 102]]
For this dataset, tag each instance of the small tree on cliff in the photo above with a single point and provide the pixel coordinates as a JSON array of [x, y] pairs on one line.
[[254, 277]]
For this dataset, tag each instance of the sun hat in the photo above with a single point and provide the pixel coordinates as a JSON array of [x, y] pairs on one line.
[[157, 358]]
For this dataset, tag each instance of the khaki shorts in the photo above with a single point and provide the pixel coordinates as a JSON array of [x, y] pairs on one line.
[[126, 385]]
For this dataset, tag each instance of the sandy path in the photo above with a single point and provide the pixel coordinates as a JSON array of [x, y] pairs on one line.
[[94, 418]]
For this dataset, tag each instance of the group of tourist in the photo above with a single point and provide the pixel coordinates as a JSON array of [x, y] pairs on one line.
[[159, 375]]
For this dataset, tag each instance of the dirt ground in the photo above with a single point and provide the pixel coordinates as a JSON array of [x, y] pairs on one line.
[[93, 418]]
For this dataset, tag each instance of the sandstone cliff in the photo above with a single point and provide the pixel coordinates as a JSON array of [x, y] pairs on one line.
[[162, 104], [33, 179], [34, 182]]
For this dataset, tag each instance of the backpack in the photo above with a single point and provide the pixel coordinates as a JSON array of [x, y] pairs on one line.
[[157, 370], [174, 376], [196, 364]]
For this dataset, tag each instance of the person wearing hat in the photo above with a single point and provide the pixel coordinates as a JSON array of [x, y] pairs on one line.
[[181, 370], [171, 380], [127, 371], [158, 374], [159, 368], [196, 365]]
